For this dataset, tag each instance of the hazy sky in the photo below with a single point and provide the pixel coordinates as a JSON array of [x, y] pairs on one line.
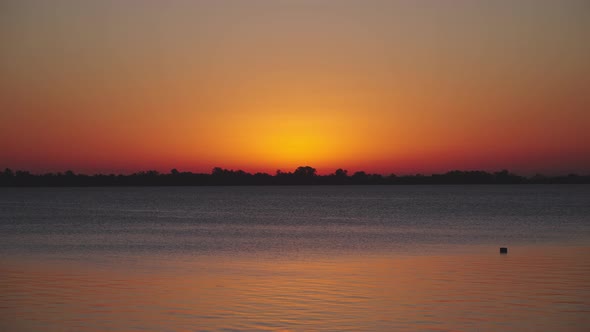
[[383, 86]]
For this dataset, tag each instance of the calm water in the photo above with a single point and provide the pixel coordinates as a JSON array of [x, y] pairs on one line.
[[295, 258]]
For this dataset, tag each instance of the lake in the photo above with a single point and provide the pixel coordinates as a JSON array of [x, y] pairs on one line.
[[372, 258]]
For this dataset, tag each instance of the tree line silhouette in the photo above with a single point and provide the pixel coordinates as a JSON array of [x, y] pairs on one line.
[[303, 175]]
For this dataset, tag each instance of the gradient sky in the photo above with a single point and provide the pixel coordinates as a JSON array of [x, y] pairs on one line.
[[383, 86]]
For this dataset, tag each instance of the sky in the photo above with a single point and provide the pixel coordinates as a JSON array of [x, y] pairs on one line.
[[383, 86]]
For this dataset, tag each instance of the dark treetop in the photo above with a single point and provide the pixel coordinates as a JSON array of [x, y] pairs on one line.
[[303, 175]]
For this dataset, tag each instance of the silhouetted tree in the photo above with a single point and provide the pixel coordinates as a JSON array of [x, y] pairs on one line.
[[8, 172], [217, 171], [22, 174], [305, 171], [360, 177], [341, 173]]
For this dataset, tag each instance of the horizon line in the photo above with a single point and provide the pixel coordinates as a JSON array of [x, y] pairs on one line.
[[172, 171]]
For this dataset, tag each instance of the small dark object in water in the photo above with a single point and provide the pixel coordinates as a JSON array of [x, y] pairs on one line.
[[503, 250]]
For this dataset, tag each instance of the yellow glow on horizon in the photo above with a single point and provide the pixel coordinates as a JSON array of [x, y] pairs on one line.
[[296, 145], [305, 137]]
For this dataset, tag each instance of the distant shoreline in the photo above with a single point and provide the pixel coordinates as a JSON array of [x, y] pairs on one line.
[[304, 175]]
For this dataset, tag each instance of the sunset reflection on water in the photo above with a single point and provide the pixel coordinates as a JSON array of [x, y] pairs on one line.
[[532, 288]]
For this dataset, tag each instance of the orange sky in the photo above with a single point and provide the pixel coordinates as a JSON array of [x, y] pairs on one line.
[[383, 86]]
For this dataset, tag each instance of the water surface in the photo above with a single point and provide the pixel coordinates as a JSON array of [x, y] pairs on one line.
[[295, 258]]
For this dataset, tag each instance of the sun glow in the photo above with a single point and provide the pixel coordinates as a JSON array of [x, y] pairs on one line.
[[296, 145], [290, 140]]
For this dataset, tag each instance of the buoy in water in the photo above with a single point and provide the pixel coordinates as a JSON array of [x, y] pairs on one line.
[[503, 250]]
